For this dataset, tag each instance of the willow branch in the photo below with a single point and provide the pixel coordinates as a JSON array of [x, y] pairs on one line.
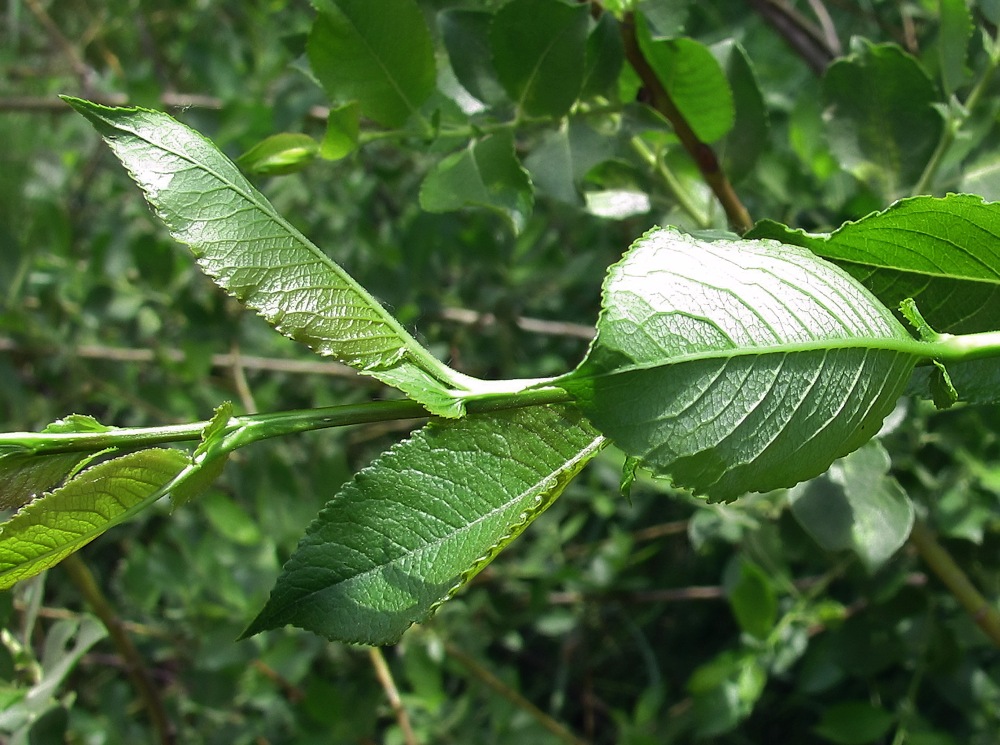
[[702, 154]]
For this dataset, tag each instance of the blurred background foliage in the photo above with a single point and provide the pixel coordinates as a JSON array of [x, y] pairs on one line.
[[656, 620]]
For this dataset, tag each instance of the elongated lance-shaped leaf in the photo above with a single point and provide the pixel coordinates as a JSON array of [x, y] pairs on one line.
[[257, 256], [942, 252], [55, 525], [423, 519], [739, 366]]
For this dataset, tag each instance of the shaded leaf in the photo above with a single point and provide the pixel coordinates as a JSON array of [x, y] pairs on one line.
[[279, 154], [694, 80], [879, 116], [379, 54], [605, 57], [738, 366], [539, 49], [953, 43], [854, 723], [55, 525], [484, 174], [856, 506], [257, 256], [423, 519], [749, 136], [753, 600], [466, 36]]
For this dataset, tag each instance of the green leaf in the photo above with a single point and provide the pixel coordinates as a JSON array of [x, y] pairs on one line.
[[879, 116], [342, 130], [738, 366], [753, 600], [539, 49], [423, 519], [257, 256], [854, 723], [279, 154], [559, 163], [466, 36], [484, 174], [694, 80], [942, 252], [376, 52], [748, 137], [953, 43], [605, 57], [856, 506], [55, 525]]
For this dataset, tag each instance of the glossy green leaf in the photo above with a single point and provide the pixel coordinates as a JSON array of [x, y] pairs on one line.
[[55, 525], [466, 36], [423, 519], [539, 49], [879, 117], [378, 53], [856, 506], [257, 256], [279, 154], [342, 130], [484, 174], [737, 366], [942, 252], [694, 80]]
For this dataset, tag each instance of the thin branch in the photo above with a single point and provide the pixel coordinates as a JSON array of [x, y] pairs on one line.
[[985, 614], [531, 325], [491, 681], [702, 154], [384, 676], [84, 581], [813, 44], [81, 69]]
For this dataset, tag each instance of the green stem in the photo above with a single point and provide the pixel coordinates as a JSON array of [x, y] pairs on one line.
[[676, 188], [986, 615], [83, 578], [242, 430]]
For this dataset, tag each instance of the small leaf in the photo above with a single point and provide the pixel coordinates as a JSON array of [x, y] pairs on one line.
[[605, 57], [423, 519], [856, 506], [279, 154], [854, 723], [539, 49], [737, 366], [879, 118], [693, 79], [379, 54], [953, 43], [40, 535], [342, 130], [257, 256], [484, 174], [753, 600]]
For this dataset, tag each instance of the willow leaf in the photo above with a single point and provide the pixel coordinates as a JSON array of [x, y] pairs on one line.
[[423, 519], [55, 525], [257, 256], [739, 366]]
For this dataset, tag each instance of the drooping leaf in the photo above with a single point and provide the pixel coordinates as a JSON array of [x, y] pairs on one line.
[[738, 366], [257, 256], [466, 36], [539, 48], [694, 80], [379, 54], [55, 525], [423, 519], [484, 174], [342, 130], [279, 154], [942, 252], [879, 117], [856, 506]]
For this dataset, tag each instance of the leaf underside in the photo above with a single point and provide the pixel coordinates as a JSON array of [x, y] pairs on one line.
[[422, 520], [738, 366], [257, 256]]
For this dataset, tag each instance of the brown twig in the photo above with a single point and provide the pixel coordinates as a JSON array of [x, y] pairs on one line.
[[84, 581], [384, 676], [702, 154], [809, 41]]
